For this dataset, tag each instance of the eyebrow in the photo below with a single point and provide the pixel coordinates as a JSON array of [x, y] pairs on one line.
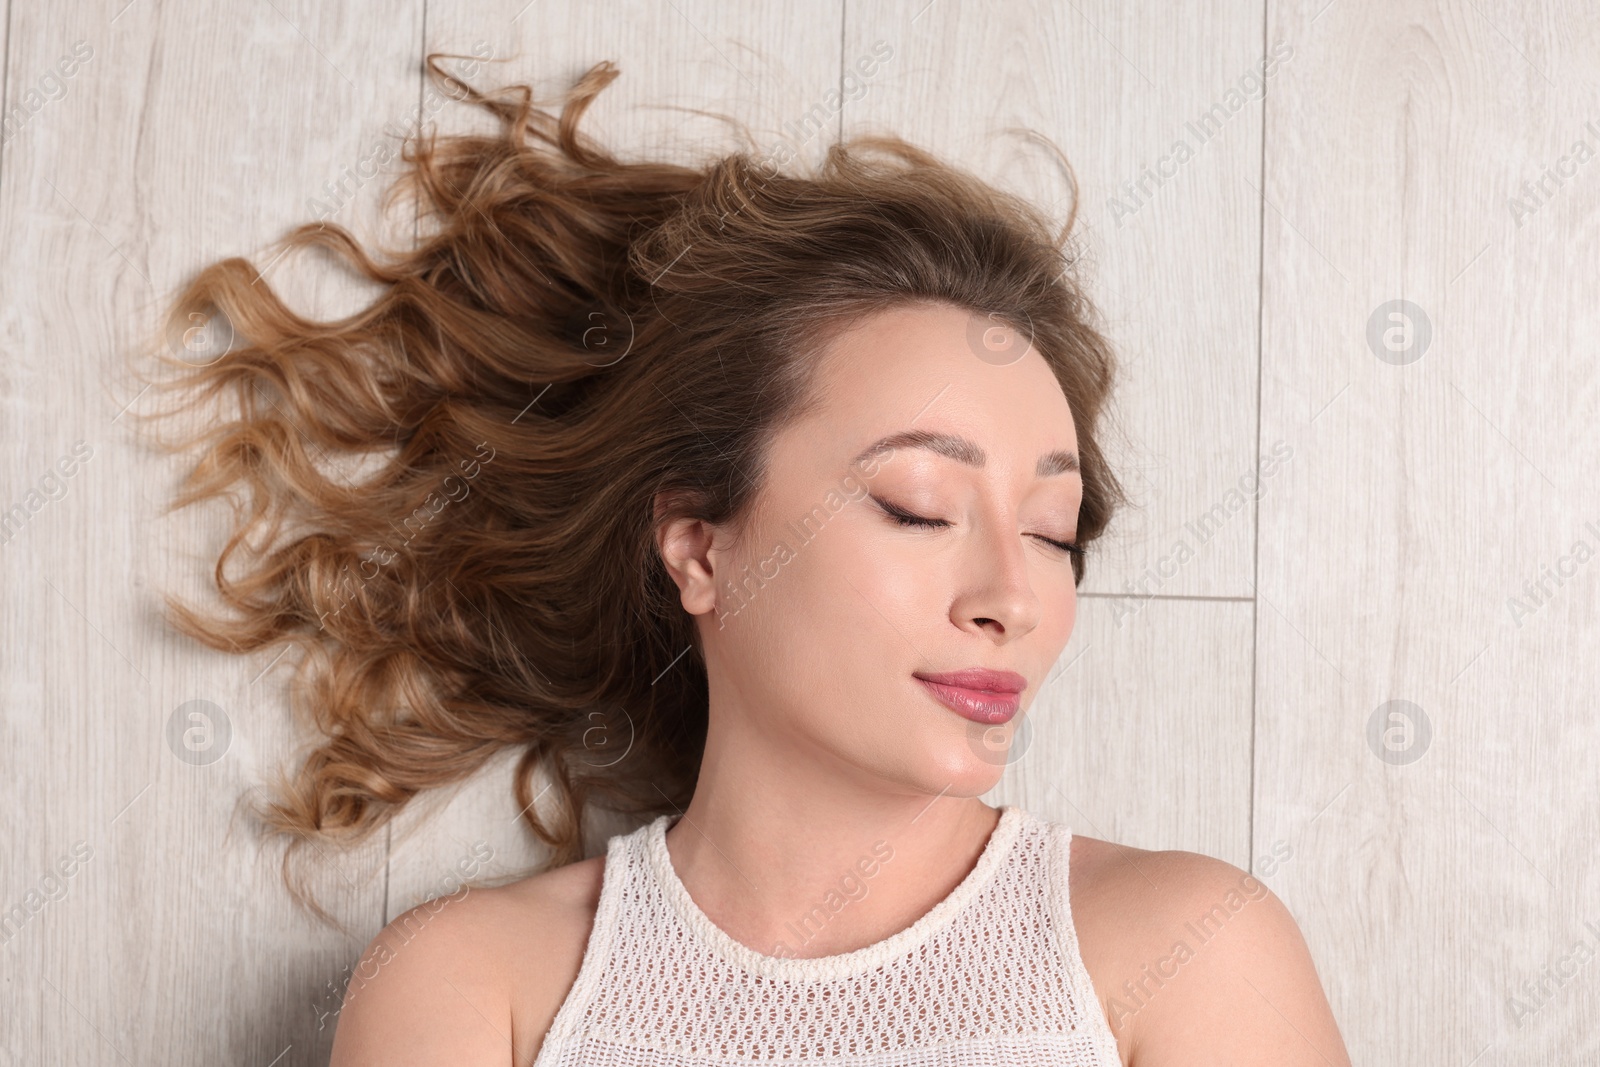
[[963, 451]]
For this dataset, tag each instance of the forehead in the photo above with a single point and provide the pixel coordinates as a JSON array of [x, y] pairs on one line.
[[933, 366]]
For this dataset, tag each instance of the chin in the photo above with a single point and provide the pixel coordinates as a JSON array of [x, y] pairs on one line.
[[959, 771]]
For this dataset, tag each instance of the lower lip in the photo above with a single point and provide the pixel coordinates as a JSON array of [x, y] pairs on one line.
[[978, 705]]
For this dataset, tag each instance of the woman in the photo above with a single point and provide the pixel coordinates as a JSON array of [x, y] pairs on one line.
[[754, 505]]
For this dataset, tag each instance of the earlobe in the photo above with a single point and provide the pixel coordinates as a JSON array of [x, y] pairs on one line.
[[686, 550]]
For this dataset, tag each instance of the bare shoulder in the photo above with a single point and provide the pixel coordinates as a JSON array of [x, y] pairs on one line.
[[557, 909], [1177, 942], [471, 979]]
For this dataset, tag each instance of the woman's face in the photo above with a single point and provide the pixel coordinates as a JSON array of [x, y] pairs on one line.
[[817, 621]]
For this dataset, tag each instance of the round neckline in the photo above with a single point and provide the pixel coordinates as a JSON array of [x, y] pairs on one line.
[[838, 965]]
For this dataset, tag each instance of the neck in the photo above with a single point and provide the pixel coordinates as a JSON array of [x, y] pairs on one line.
[[825, 874]]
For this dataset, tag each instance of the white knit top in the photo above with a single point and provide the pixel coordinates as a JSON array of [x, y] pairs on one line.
[[990, 976]]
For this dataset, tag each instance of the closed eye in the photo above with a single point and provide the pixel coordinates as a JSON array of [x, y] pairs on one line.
[[1069, 547], [906, 518]]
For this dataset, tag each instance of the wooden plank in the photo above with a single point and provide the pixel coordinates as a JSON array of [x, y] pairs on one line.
[[1153, 758], [1444, 460], [176, 140]]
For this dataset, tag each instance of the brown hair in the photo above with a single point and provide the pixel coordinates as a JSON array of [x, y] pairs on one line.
[[572, 335]]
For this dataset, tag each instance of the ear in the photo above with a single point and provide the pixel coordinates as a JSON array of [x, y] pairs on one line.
[[689, 550]]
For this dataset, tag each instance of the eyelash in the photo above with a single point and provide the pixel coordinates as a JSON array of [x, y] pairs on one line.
[[905, 518]]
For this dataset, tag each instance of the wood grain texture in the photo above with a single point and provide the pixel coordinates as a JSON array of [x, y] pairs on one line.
[[1333, 514], [1153, 757], [1442, 460], [189, 133]]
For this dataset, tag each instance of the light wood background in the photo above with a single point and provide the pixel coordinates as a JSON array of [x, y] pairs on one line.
[[1220, 692]]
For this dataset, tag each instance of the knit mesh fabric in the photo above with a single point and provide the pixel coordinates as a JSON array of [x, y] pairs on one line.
[[990, 976]]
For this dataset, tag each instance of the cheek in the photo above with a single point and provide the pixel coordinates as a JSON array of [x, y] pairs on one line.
[[843, 605], [854, 618], [867, 588], [1061, 614]]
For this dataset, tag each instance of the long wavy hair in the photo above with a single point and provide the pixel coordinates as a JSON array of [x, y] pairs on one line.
[[572, 339]]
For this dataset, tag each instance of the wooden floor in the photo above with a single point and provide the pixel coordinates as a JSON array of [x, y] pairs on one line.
[[1361, 418]]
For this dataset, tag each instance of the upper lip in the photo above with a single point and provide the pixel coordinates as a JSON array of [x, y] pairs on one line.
[[980, 679]]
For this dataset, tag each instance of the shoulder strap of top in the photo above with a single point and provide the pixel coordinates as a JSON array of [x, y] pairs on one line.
[[1067, 934]]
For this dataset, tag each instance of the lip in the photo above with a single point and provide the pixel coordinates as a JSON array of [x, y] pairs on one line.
[[985, 696]]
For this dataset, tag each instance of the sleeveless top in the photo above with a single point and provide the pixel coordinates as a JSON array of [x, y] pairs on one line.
[[990, 976]]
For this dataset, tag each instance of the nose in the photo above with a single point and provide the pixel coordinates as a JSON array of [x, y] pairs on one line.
[[1000, 597]]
